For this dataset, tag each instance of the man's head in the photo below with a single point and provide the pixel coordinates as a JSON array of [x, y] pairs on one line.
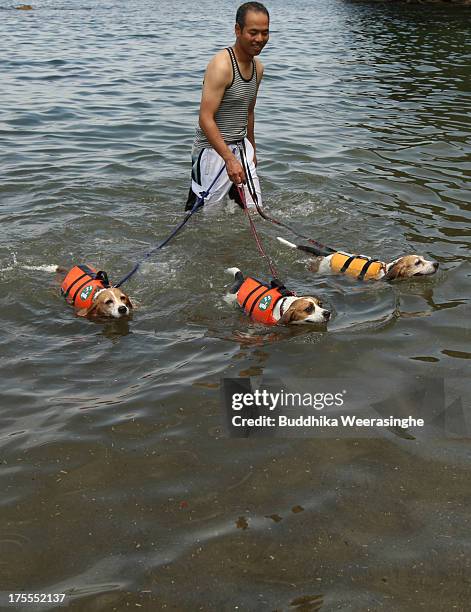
[[252, 27]]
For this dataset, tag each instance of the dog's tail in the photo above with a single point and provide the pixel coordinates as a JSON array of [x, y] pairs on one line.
[[238, 279], [287, 243], [301, 247], [233, 271]]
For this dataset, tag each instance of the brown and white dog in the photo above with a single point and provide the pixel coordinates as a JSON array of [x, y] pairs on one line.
[[273, 304], [92, 296], [365, 268], [108, 303]]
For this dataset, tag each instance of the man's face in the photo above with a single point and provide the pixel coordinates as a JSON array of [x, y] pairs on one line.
[[255, 33]]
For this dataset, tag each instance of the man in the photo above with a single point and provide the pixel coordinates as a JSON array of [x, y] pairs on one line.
[[225, 137]]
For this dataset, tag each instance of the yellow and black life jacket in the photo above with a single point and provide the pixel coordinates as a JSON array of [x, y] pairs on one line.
[[258, 300], [358, 266], [81, 284]]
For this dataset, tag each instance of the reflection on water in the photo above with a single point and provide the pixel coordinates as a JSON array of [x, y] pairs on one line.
[[119, 484]]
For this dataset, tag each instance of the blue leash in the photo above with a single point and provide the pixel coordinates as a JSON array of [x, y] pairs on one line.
[[198, 204]]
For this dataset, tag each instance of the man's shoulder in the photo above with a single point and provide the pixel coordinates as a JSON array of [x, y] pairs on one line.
[[221, 65], [221, 59], [260, 68]]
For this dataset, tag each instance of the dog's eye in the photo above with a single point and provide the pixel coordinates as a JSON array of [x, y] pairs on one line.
[[109, 302], [417, 263], [309, 309], [123, 298]]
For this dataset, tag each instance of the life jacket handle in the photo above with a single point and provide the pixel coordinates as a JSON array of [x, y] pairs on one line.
[[277, 284], [102, 276]]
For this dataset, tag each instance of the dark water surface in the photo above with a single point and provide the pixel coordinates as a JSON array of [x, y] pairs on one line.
[[119, 486]]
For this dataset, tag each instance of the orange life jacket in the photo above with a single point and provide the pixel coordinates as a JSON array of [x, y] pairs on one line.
[[258, 300], [81, 284], [358, 266]]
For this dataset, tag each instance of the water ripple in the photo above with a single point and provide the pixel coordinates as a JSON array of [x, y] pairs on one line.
[[112, 449]]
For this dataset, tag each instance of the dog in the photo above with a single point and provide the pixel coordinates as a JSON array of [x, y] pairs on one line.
[[365, 268], [273, 304], [92, 296]]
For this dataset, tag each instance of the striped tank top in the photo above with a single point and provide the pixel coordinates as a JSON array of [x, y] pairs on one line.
[[232, 114]]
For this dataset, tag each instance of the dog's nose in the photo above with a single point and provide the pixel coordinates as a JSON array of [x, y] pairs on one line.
[[435, 265], [326, 315], [122, 309]]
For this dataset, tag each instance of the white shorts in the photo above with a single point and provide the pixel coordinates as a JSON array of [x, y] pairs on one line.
[[209, 163]]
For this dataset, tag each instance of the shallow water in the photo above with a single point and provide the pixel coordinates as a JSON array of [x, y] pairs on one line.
[[120, 486]]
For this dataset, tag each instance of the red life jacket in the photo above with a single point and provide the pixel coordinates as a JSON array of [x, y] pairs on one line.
[[258, 300], [81, 284]]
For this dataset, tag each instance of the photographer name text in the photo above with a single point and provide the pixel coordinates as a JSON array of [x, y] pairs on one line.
[[324, 421]]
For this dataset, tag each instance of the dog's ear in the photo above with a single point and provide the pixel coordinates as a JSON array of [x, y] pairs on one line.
[[394, 271], [86, 312], [288, 316], [128, 303]]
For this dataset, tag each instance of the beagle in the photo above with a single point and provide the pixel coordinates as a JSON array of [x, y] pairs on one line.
[[365, 268], [91, 294], [273, 304]]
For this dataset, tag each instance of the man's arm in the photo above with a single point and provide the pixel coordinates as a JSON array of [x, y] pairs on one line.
[[218, 76], [251, 121]]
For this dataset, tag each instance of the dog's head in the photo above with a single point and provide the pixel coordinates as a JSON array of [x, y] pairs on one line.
[[409, 266], [305, 309], [108, 303]]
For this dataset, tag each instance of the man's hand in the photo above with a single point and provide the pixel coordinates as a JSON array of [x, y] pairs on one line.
[[235, 171]]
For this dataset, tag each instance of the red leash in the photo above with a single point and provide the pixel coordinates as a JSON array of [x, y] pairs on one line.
[[273, 271], [323, 249]]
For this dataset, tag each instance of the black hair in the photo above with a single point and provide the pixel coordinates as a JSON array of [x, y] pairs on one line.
[[243, 9]]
